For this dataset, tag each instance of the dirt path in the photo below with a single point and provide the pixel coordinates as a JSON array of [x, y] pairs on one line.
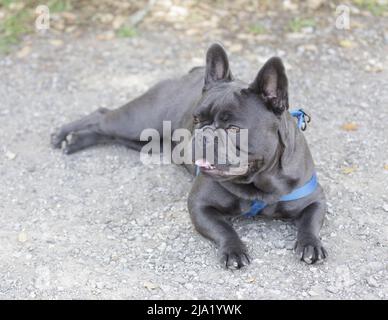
[[100, 224]]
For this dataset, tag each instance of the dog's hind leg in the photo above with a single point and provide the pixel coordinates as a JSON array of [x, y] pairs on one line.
[[89, 123]]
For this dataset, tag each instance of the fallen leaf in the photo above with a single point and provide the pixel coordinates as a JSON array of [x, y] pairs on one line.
[[150, 285], [348, 170], [347, 43], [386, 167], [23, 52], [106, 36], [350, 126]]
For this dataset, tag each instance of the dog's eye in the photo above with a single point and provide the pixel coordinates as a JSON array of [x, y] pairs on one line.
[[233, 129]]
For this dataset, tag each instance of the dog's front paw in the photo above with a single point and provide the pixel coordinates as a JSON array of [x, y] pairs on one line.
[[234, 256], [310, 250]]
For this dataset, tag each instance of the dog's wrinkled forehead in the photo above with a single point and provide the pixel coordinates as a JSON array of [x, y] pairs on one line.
[[223, 98]]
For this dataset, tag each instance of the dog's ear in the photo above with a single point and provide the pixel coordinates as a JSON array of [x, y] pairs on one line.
[[217, 65], [272, 85]]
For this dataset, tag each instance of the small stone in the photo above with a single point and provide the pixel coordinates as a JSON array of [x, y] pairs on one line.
[[279, 244], [105, 17], [374, 68], [289, 245], [56, 42], [313, 293], [150, 286], [69, 16], [314, 4], [251, 280], [332, 289], [118, 22], [192, 32], [236, 47], [188, 286], [385, 207], [289, 5], [31, 168], [372, 282], [22, 237], [10, 155]]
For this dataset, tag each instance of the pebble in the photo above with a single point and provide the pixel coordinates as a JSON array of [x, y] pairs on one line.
[[150, 285], [315, 4], [372, 282], [290, 245], [31, 168], [22, 237], [313, 293], [10, 155], [332, 289], [279, 244]]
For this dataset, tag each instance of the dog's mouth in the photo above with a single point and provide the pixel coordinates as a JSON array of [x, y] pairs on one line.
[[220, 169]]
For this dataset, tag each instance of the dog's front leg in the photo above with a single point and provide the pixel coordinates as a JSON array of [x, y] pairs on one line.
[[308, 245], [212, 224]]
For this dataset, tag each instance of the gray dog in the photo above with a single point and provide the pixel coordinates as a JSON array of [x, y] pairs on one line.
[[279, 181]]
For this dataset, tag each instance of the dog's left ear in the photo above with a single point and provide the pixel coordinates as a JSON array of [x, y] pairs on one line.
[[272, 85]]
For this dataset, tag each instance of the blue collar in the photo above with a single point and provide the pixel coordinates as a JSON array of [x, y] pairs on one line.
[[305, 190], [301, 192]]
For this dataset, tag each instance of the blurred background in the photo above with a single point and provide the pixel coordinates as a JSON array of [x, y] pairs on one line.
[[238, 22]]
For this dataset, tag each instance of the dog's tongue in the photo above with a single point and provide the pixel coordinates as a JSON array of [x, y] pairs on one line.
[[202, 163]]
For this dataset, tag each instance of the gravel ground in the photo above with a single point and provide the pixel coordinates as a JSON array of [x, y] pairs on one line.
[[100, 225]]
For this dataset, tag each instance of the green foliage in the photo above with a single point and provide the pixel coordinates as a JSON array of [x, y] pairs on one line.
[[126, 32], [13, 27], [375, 7], [59, 5], [257, 29], [5, 3], [297, 24]]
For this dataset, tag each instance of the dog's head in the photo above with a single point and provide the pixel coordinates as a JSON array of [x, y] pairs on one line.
[[251, 113]]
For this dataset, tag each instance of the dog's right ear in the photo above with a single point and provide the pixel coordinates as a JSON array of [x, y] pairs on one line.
[[217, 65], [272, 85]]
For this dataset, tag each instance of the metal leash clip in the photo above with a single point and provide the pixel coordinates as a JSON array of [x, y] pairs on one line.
[[305, 119]]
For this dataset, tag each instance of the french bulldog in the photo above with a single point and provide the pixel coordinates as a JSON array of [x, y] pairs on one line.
[[278, 158]]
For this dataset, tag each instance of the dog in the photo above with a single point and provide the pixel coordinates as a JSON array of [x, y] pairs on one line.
[[279, 180]]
